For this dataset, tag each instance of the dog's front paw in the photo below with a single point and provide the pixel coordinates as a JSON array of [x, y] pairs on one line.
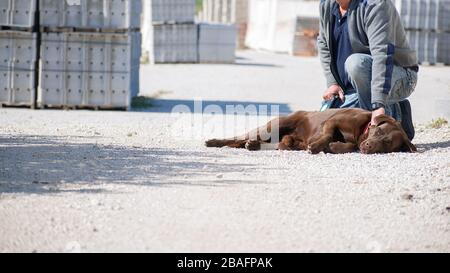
[[315, 148], [335, 148]]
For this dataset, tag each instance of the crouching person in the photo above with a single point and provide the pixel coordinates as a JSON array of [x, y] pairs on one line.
[[367, 60]]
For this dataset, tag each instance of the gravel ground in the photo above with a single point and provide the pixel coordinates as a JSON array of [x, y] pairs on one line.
[[86, 181]]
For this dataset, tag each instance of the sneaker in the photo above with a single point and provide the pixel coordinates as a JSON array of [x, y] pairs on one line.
[[407, 122]]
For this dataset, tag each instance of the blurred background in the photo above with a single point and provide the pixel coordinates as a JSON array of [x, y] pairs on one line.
[[282, 26], [289, 26]]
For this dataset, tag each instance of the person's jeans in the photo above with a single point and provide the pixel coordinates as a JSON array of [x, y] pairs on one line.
[[359, 70]]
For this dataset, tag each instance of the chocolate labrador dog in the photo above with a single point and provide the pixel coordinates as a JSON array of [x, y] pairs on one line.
[[334, 131]]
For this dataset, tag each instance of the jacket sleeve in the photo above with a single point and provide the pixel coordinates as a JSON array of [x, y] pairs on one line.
[[378, 27], [322, 44]]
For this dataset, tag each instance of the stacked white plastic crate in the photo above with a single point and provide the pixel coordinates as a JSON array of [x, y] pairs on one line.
[[173, 11], [228, 12], [217, 43], [91, 14], [428, 28], [174, 37], [174, 34], [220, 11], [174, 43], [90, 53], [218, 34], [18, 53]]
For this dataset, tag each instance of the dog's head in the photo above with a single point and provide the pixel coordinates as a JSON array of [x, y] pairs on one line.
[[386, 136]]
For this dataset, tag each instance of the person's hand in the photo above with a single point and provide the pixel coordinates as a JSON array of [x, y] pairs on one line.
[[334, 90], [376, 113]]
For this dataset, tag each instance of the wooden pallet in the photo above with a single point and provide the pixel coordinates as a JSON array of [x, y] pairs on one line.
[[64, 107], [428, 30], [158, 23], [83, 107], [23, 29], [28, 106], [87, 30]]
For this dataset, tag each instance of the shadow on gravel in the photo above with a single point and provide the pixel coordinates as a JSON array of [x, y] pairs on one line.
[[433, 146], [45, 164], [258, 65], [166, 106], [242, 61]]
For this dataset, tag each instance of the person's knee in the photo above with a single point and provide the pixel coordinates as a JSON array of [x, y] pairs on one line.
[[358, 66]]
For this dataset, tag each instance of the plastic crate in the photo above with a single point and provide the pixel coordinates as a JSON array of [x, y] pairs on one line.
[[98, 14], [89, 69], [173, 11], [425, 14], [17, 68], [223, 11], [217, 43], [17, 13], [174, 43], [431, 47]]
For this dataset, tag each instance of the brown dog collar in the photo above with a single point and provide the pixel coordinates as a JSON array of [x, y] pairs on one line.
[[364, 135]]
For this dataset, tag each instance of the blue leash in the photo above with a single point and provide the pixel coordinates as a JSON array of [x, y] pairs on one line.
[[328, 104]]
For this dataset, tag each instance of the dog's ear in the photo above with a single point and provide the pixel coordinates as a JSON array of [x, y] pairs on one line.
[[408, 147], [384, 118]]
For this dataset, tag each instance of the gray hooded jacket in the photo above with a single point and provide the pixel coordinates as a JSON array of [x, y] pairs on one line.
[[375, 28]]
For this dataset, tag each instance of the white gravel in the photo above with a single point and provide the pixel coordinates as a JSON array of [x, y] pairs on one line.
[[86, 181]]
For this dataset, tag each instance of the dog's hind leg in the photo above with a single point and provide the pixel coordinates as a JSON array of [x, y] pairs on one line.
[[232, 143], [253, 140], [326, 137]]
